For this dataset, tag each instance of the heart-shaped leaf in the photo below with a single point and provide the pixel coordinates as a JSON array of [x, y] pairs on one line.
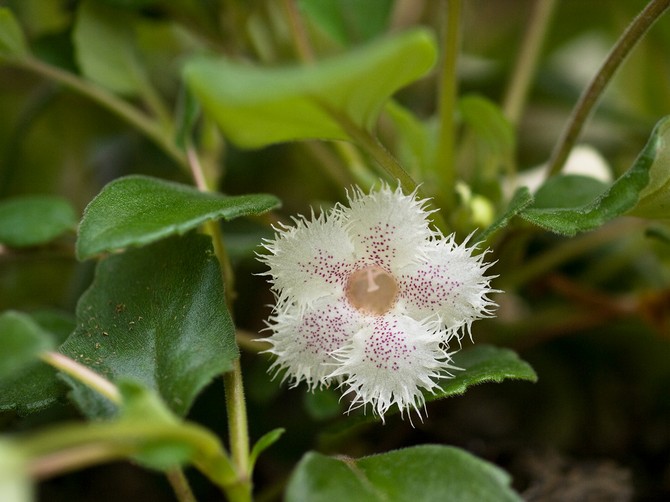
[[34, 219], [257, 106], [427, 473], [157, 315], [138, 210]]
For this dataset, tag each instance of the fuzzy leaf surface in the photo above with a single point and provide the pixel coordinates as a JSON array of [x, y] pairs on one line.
[[427, 473], [641, 191], [137, 210], [156, 315], [257, 106]]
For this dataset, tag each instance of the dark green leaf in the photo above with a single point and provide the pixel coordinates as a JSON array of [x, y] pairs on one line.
[[37, 386], [138, 210], [188, 111], [21, 342], [568, 190], [265, 441], [104, 44], [157, 315], [35, 219], [12, 41], [520, 201], [427, 473], [258, 106], [639, 191], [484, 363], [349, 20]]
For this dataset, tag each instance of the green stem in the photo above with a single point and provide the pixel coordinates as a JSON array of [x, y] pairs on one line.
[[447, 89], [590, 96], [121, 108], [180, 485], [235, 404], [83, 374], [302, 46], [237, 429], [526, 63]]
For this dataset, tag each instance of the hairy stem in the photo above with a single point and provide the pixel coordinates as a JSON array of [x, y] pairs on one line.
[[83, 374], [590, 96], [180, 485]]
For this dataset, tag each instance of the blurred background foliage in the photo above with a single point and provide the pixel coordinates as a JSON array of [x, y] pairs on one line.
[[591, 313]]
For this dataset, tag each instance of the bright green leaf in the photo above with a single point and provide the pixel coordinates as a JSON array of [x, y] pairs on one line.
[[427, 473], [12, 42], [257, 106], [15, 483], [138, 210], [35, 219], [265, 441], [641, 191], [21, 342], [36, 385], [104, 46], [520, 201], [157, 315]]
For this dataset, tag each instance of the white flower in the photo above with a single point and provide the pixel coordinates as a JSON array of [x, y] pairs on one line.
[[369, 296]]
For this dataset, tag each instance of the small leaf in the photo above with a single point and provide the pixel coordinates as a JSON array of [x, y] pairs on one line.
[[520, 201], [427, 473], [21, 342], [157, 315], [639, 191], [493, 133], [104, 44], [36, 385], [15, 484], [258, 106], [138, 210], [36, 219], [12, 42], [481, 364], [264, 442]]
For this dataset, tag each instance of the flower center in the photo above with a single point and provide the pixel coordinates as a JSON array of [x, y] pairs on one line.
[[372, 290]]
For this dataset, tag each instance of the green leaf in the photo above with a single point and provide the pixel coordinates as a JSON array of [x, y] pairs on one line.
[[15, 484], [36, 385], [520, 201], [568, 190], [263, 443], [257, 106], [12, 42], [21, 342], [104, 45], [640, 191], [492, 131], [481, 364], [349, 20], [157, 315], [138, 210], [427, 473], [35, 219]]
